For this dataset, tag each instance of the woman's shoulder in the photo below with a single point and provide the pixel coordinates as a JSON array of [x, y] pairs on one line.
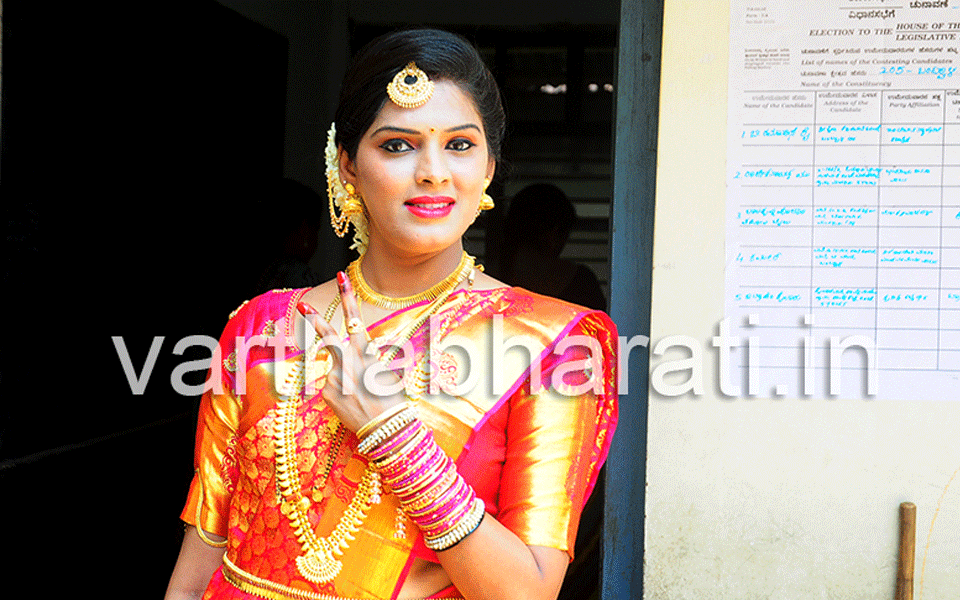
[[550, 304], [265, 314], [526, 312]]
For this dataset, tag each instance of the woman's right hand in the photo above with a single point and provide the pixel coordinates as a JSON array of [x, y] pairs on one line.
[[345, 390]]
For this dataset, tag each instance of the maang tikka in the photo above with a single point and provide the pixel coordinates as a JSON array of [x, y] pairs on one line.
[[410, 87]]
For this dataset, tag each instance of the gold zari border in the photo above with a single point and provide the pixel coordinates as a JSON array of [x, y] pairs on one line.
[[270, 590]]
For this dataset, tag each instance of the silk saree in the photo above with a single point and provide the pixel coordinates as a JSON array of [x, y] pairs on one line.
[[529, 432]]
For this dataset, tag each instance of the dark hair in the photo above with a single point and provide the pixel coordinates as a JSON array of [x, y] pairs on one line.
[[441, 55]]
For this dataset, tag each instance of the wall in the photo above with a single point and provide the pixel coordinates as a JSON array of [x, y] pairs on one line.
[[757, 498]]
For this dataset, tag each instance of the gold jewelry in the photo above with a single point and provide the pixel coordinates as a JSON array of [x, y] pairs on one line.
[[343, 196], [410, 87], [486, 202], [400, 525], [365, 293], [271, 590], [319, 564], [199, 527], [353, 203], [354, 326], [462, 529], [380, 419], [380, 434]]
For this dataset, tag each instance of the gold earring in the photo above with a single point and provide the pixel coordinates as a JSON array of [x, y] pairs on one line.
[[349, 202], [486, 202], [353, 203]]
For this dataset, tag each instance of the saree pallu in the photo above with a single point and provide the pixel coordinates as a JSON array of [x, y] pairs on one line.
[[529, 432]]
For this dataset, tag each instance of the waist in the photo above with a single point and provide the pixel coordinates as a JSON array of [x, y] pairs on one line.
[[271, 590]]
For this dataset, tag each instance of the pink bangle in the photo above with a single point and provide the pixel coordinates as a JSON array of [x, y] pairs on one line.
[[447, 505], [431, 492], [414, 446], [389, 445], [446, 525], [400, 461], [426, 501], [450, 511], [468, 525], [428, 474], [430, 457]]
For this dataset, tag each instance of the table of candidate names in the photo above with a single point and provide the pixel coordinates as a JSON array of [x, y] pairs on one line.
[[848, 223]]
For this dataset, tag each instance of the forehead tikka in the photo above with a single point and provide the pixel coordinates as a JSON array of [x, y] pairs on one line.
[[410, 87]]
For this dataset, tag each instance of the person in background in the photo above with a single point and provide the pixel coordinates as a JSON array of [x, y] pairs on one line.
[[538, 225]]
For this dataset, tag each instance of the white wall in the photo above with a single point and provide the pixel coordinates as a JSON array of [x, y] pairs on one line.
[[792, 499]]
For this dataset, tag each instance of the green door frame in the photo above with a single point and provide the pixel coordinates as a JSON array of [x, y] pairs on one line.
[[631, 270]]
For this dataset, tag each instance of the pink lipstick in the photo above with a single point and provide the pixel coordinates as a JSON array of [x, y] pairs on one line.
[[430, 207]]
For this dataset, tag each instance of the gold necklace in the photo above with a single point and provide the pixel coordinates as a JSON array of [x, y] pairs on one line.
[[319, 563], [369, 295]]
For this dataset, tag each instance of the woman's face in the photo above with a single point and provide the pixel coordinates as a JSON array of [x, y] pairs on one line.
[[421, 172]]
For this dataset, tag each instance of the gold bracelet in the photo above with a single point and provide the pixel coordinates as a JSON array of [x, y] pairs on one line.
[[383, 432], [199, 525], [380, 419]]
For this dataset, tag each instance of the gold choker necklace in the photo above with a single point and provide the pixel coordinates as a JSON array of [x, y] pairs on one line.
[[366, 294]]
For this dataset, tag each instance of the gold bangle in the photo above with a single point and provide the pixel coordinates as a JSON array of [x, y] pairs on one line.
[[199, 525], [382, 433], [380, 419]]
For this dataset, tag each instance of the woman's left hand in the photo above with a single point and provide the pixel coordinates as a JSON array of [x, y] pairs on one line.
[[353, 369]]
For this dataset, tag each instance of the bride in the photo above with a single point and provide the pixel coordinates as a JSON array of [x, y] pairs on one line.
[[356, 461]]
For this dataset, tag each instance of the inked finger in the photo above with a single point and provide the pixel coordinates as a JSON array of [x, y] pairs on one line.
[[327, 333], [359, 338]]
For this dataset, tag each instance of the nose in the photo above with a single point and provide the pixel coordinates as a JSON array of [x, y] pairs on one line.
[[432, 167]]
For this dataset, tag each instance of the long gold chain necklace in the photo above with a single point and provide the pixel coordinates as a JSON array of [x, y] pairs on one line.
[[319, 562], [369, 295]]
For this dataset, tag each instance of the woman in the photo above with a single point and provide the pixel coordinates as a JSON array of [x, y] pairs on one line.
[[320, 472]]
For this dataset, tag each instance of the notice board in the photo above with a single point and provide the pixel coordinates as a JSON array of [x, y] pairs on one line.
[[805, 340]]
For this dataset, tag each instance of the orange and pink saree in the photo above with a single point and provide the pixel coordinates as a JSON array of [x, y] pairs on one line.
[[529, 434]]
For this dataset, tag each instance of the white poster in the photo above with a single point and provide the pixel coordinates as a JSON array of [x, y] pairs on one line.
[[843, 205]]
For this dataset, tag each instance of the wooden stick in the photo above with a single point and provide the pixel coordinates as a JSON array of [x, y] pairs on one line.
[[908, 543]]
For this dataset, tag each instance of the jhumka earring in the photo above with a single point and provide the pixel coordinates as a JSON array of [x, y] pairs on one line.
[[410, 87], [486, 202], [342, 195]]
